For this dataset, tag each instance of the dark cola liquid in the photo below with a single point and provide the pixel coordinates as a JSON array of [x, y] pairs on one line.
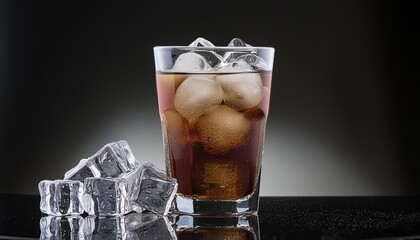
[[213, 149]]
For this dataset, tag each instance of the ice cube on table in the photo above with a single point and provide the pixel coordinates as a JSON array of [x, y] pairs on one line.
[[160, 229], [196, 96], [84, 169], [133, 183], [157, 191], [104, 228], [191, 62], [53, 227], [123, 151], [114, 159], [242, 90], [106, 196], [61, 197], [110, 161], [222, 130]]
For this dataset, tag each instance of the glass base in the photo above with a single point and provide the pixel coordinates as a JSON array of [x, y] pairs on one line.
[[244, 227], [190, 206]]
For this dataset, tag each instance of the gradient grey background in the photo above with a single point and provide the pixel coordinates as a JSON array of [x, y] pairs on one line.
[[76, 75]]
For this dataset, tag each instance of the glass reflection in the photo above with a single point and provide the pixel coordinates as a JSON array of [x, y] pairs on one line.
[[217, 228], [129, 227], [147, 225]]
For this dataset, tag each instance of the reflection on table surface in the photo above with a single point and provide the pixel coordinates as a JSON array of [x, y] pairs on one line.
[[278, 218], [235, 228], [149, 226]]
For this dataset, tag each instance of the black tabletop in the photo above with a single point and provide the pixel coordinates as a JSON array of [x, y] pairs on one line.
[[278, 217]]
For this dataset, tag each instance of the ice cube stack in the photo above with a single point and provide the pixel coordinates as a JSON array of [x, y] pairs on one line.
[[221, 106], [111, 182]]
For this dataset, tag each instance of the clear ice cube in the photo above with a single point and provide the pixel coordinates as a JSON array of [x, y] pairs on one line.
[[84, 169], [106, 196], [61, 197], [156, 190], [133, 183], [123, 151], [237, 42], [229, 63], [114, 159], [176, 127], [223, 129], [196, 96], [157, 229], [237, 61], [191, 62], [235, 66], [242, 91], [201, 42], [254, 61], [212, 58], [104, 228], [110, 161], [52, 227]]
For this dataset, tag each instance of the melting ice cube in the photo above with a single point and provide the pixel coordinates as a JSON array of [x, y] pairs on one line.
[[61, 197], [176, 127], [223, 129], [243, 90], [191, 62], [197, 95]]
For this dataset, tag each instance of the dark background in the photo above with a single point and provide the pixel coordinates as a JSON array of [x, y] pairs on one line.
[[76, 75]]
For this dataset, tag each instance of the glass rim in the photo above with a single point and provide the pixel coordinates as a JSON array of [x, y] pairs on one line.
[[215, 48]]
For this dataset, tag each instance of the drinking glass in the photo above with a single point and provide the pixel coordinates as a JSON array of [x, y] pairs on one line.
[[213, 104]]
